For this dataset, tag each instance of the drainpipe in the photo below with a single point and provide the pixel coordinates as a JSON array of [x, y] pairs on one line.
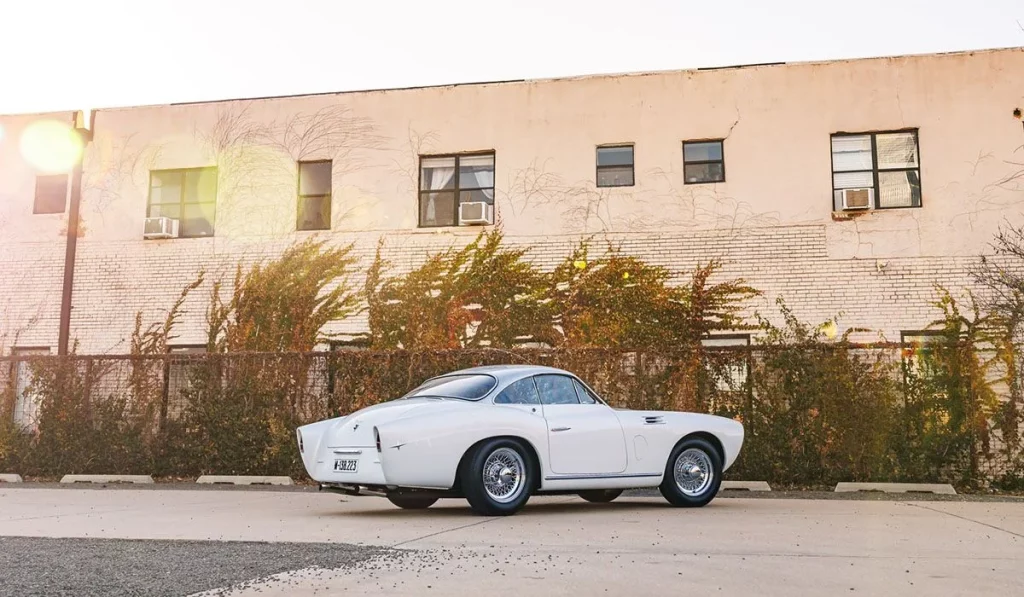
[[83, 127]]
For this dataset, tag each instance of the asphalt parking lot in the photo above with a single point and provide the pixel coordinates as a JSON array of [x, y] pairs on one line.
[[182, 541]]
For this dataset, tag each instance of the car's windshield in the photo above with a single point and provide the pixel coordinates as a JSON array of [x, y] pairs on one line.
[[461, 387]]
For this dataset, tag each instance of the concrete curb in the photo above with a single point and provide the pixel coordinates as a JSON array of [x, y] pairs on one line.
[[8, 478], [938, 488], [746, 485], [244, 480], [146, 479]]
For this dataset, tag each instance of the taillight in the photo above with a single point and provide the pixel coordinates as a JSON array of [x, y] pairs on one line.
[[376, 436]]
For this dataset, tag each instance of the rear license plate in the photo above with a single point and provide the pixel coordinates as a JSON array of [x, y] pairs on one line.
[[346, 466]]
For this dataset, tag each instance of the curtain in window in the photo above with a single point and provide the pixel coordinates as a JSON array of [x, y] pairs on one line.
[[437, 176], [477, 172]]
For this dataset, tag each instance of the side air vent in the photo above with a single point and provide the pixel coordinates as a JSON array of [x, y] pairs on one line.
[[654, 420]]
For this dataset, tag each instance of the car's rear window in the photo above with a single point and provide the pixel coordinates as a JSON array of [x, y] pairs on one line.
[[463, 387]]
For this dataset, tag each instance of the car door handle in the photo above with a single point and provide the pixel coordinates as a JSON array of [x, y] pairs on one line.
[[556, 429]]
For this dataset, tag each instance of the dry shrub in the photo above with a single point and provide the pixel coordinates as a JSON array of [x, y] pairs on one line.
[[823, 410], [486, 294], [817, 410], [483, 294], [283, 305]]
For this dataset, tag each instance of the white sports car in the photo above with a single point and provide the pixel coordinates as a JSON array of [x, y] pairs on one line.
[[497, 435]]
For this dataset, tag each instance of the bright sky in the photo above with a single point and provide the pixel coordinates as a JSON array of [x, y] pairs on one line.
[[76, 54]]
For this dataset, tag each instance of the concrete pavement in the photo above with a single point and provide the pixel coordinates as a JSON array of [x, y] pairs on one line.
[[564, 546]]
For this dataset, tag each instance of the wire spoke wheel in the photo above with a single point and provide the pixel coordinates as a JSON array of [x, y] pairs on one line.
[[693, 472], [504, 475]]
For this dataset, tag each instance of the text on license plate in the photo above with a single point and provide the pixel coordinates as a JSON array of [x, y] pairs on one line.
[[346, 466]]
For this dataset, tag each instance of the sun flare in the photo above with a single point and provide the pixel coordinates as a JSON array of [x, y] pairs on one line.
[[51, 146]]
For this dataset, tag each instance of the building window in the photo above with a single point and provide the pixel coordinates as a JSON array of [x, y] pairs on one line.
[[731, 369], [918, 347], [351, 345], [178, 376], [703, 162], [188, 195], [922, 338], [314, 210], [615, 166], [26, 401], [882, 170], [446, 182], [51, 194]]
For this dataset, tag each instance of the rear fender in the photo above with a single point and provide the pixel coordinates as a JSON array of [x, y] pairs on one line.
[[312, 439], [425, 451]]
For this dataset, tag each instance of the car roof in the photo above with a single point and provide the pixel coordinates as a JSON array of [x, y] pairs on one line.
[[510, 371]]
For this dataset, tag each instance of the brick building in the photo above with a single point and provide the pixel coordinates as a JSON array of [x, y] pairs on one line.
[[847, 187]]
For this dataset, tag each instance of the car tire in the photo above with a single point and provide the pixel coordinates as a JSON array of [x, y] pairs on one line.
[[600, 496], [497, 477], [693, 474], [412, 502]]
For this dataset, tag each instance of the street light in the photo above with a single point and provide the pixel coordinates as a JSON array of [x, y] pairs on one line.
[[83, 124]]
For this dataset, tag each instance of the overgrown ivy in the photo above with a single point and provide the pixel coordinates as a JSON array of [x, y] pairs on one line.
[[488, 294], [817, 407], [284, 305]]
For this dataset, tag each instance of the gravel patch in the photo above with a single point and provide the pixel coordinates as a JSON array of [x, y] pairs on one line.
[[114, 567], [162, 486]]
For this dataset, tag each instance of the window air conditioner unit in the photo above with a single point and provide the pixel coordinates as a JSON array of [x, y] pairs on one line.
[[475, 212], [161, 228], [856, 199]]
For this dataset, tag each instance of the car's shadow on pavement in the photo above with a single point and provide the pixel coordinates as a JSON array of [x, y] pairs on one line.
[[456, 508]]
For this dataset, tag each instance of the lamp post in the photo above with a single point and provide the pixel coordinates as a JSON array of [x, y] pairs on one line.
[[83, 123]]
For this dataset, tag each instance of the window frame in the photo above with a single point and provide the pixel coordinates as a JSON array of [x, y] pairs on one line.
[[456, 190], [575, 380], [600, 399], [25, 404], [721, 144], [354, 345], [541, 394], [178, 355], [875, 168], [300, 196], [525, 380], [938, 335], [578, 386], [908, 354], [598, 168], [35, 196], [904, 334], [742, 341], [182, 203], [454, 374]]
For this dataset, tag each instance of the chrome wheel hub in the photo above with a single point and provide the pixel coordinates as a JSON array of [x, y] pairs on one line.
[[504, 475], [693, 472]]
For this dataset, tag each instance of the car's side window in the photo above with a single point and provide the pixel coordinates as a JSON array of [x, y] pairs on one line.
[[523, 391], [585, 396], [556, 389]]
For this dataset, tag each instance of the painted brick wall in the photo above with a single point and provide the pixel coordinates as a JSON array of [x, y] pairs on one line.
[[771, 221], [114, 281], [30, 284]]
